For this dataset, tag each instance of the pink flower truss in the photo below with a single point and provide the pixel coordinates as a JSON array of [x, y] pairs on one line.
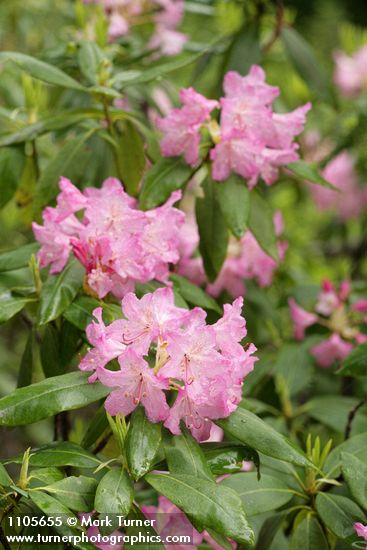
[[167, 15], [117, 244], [351, 72], [252, 141], [204, 364], [245, 260], [344, 320]]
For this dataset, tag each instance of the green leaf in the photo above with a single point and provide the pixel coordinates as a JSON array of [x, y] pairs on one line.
[[251, 430], [41, 70], [331, 410], [50, 352], [26, 363], [259, 495], [12, 161], [90, 57], [59, 291], [305, 62], [357, 446], [18, 258], [295, 364], [309, 535], [184, 456], [212, 230], [67, 162], [10, 306], [227, 457], [80, 312], [39, 477], [137, 530], [115, 493], [244, 50], [131, 157], [234, 200], [355, 474], [63, 453], [5, 479], [268, 531], [167, 175], [193, 294], [142, 443], [96, 427], [208, 504], [76, 492], [356, 362], [49, 397], [261, 224], [339, 513], [309, 172]]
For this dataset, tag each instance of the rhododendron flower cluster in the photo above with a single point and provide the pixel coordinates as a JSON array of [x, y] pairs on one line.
[[162, 347], [351, 72], [252, 140], [165, 14], [351, 200], [245, 260], [333, 310], [117, 244]]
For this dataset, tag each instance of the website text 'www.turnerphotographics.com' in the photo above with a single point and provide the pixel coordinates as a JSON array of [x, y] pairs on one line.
[[108, 529]]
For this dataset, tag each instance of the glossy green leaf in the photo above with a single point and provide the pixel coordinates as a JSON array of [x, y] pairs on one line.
[[356, 362], [26, 364], [80, 312], [193, 294], [90, 57], [308, 172], [39, 477], [142, 443], [76, 492], [185, 456], [207, 503], [234, 200], [11, 168], [356, 445], [167, 175], [50, 352], [355, 474], [305, 62], [339, 513], [331, 410], [130, 157], [10, 306], [49, 397], [63, 453], [212, 230], [96, 427], [309, 535], [115, 493], [261, 223], [59, 291], [68, 162], [18, 258], [245, 49], [259, 495], [227, 457], [5, 479], [269, 530], [41, 70], [251, 430]]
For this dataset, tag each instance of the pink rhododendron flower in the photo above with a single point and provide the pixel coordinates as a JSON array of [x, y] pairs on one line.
[[251, 141], [205, 364], [332, 349], [351, 72], [301, 319], [165, 15], [361, 530], [182, 126], [344, 321], [351, 200], [117, 244]]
